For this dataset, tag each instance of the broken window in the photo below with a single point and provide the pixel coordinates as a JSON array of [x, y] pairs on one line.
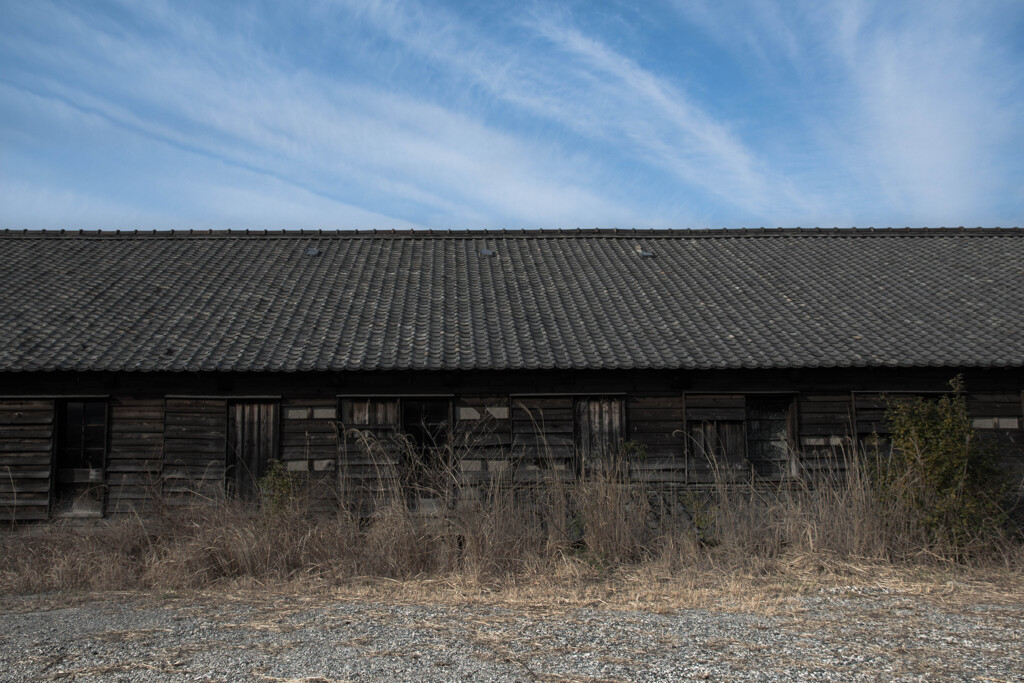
[[425, 422], [740, 431], [412, 433], [374, 413]]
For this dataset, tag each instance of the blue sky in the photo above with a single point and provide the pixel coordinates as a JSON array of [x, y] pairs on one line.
[[510, 115]]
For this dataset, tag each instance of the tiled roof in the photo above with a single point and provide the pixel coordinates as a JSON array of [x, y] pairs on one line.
[[545, 299]]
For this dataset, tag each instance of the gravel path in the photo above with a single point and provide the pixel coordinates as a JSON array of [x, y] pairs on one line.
[[835, 635]]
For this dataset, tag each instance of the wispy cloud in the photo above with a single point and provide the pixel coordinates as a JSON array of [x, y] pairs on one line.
[[937, 103], [912, 107], [660, 122], [386, 113], [324, 136], [193, 189], [590, 89]]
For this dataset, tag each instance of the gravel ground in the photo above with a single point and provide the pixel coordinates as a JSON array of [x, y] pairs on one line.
[[833, 635]]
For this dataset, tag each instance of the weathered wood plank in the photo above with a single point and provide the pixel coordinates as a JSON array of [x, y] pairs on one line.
[[26, 431], [24, 485], [714, 401], [24, 418], [18, 459], [25, 446]]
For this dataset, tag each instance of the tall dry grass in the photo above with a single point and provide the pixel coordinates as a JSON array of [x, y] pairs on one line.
[[501, 530]]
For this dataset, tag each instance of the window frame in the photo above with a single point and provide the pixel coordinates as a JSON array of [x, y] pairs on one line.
[[738, 418], [345, 416]]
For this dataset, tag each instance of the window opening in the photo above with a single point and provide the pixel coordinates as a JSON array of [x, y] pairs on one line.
[[737, 431], [427, 461], [720, 441], [425, 422], [715, 429], [361, 413], [995, 422]]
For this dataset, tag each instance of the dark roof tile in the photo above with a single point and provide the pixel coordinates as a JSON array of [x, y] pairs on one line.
[[578, 299]]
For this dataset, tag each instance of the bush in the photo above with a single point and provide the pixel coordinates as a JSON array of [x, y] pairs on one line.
[[278, 488], [938, 470]]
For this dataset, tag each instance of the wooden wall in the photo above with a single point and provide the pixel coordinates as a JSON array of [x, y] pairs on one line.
[[310, 434], [135, 460], [195, 446], [542, 436], [371, 451], [253, 443], [26, 454], [825, 433], [714, 422], [166, 446], [483, 436], [309, 446], [656, 427], [998, 419]]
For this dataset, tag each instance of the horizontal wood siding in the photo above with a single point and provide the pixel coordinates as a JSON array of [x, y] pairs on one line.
[[826, 431], [1006, 438], [482, 436], [714, 423], [26, 452], [542, 436], [355, 453], [309, 445], [135, 459], [195, 443], [370, 451], [657, 428], [870, 411]]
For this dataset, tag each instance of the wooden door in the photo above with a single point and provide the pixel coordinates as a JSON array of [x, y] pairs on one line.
[[600, 429], [252, 444]]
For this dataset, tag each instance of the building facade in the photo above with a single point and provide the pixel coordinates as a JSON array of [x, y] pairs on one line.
[[139, 367]]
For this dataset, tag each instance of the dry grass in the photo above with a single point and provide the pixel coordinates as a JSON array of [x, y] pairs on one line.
[[599, 537]]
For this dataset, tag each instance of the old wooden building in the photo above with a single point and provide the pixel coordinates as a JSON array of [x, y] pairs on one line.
[[143, 365]]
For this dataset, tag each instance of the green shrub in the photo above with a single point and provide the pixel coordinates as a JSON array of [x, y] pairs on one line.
[[938, 470], [278, 488]]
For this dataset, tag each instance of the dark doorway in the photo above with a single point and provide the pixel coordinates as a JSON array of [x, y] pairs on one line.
[[425, 423], [769, 425], [81, 451]]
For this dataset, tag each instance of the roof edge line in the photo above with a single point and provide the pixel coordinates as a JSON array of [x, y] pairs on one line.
[[504, 233]]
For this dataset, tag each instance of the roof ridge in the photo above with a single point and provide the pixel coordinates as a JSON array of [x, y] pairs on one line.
[[531, 233]]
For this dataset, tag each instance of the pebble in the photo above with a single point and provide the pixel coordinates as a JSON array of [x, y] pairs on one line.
[[827, 636]]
